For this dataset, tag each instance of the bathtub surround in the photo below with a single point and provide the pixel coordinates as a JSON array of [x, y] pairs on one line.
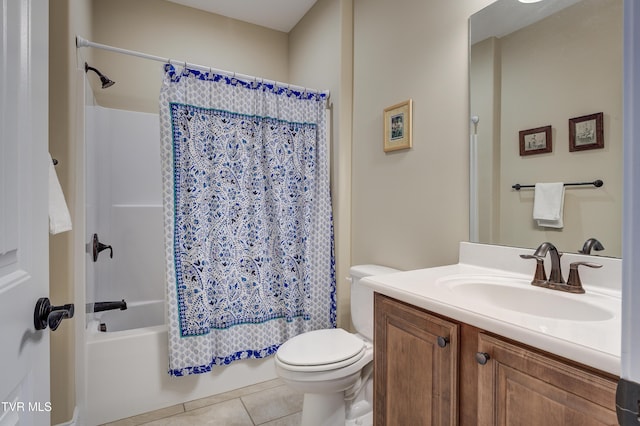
[[124, 208], [126, 367], [248, 226]]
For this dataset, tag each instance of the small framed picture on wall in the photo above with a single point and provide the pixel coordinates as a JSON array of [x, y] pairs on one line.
[[397, 132], [535, 141], [586, 132]]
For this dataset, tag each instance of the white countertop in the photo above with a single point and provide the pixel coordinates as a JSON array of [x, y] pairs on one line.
[[596, 343]]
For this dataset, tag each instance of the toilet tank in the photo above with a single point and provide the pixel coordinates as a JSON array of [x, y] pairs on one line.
[[362, 297]]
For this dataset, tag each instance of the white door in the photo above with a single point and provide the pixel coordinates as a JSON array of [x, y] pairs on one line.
[[24, 244]]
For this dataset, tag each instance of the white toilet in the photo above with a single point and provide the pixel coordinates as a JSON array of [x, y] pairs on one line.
[[334, 368]]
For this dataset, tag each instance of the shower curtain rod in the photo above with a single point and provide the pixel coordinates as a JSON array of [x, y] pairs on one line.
[[81, 42]]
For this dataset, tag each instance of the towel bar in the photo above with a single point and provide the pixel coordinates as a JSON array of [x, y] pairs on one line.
[[597, 183]]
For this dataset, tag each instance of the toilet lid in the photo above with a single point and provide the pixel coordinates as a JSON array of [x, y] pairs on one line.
[[320, 347]]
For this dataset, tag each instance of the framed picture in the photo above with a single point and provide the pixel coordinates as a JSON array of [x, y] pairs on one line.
[[535, 141], [586, 132], [397, 126]]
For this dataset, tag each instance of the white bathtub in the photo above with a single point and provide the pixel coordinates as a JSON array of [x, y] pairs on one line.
[[127, 374]]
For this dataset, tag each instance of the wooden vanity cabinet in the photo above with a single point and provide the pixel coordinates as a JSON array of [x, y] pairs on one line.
[[415, 366], [431, 370], [519, 386]]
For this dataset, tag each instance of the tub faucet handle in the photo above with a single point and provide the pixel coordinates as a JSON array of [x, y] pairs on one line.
[[98, 247]]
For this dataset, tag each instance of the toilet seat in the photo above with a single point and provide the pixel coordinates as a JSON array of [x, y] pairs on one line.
[[321, 350]]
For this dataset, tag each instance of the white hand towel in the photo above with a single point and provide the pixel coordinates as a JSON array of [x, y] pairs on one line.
[[59, 218], [548, 204]]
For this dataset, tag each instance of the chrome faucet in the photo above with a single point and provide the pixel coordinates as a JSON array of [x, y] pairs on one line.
[[555, 277], [591, 244]]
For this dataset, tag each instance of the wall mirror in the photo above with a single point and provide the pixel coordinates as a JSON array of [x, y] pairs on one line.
[[538, 66]]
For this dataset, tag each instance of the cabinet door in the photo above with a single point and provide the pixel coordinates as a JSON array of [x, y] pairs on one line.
[[415, 366], [518, 386]]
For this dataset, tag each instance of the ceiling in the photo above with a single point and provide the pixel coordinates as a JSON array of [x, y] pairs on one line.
[[281, 15], [506, 16]]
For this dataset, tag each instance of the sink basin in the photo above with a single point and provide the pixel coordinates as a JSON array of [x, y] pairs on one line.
[[519, 296]]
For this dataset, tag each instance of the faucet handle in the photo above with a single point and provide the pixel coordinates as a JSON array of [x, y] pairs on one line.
[[532, 256], [574, 278], [540, 275]]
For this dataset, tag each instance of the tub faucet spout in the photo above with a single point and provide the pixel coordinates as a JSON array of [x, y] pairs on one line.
[[109, 306], [555, 277]]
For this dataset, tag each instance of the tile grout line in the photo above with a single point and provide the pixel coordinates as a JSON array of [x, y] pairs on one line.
[[247, 410]]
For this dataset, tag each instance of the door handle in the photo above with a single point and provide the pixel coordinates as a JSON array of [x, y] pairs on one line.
[[46, 314]]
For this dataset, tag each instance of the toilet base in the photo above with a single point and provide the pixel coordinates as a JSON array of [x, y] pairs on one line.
[[366, 420], [323, 409], [330, 410]]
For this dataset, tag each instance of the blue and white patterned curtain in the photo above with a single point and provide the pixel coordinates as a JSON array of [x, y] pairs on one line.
[[248, 223]]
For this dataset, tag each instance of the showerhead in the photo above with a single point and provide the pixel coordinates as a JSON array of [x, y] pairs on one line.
[[106, 81]]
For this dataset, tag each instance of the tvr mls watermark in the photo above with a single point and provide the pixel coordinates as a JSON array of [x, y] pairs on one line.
[[22, 407]]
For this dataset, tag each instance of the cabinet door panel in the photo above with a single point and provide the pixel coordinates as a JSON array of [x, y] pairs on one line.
[[408, 375], [415, 378], [522, 387]]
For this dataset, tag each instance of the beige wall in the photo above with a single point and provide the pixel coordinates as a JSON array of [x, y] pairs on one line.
[[169, 30], [410, 208]]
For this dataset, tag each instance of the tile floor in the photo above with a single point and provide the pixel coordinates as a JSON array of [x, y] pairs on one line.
[[264, 404]]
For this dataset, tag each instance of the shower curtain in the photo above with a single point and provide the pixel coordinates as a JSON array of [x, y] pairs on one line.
[[248, 222]]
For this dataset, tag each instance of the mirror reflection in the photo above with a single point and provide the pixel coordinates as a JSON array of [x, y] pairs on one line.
[[546, 71]]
